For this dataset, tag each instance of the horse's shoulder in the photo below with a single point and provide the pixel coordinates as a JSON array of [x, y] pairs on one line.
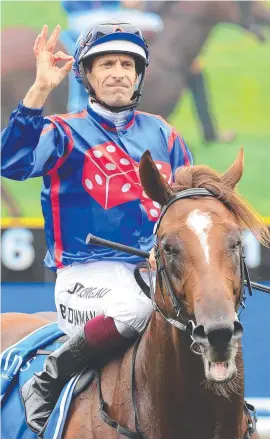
[[116, 391]]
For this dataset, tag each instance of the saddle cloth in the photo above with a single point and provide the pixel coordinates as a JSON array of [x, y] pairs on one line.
[[18, 364]]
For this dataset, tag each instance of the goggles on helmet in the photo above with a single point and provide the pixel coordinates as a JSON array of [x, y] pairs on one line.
[[112, 38]]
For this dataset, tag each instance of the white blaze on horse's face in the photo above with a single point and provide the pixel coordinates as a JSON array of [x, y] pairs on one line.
[[200, 223]]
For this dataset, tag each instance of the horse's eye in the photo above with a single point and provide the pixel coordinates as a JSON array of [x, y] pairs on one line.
[[234, 245], [167, 249], [171, 250]]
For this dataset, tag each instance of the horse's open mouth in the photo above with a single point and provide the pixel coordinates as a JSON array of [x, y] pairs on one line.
[[220, 371]]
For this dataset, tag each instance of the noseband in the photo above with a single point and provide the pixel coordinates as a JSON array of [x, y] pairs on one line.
[[186, 324]]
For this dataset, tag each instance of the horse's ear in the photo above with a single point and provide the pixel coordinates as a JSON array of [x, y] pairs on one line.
[[235, 171], [154, 184]]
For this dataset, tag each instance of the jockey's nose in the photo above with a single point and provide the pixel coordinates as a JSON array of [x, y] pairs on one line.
[[118, 70], [217, 333]]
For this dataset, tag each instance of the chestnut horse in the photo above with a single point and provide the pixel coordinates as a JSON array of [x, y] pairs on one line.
[[199, 289]]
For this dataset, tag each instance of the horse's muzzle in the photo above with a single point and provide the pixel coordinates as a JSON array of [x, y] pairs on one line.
[[217, 333], [218, 338], [218, 342]]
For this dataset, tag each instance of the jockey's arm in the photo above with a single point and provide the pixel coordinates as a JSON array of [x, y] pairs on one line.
[[31, 144]]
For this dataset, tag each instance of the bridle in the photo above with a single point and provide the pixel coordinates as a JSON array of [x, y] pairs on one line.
[[186, 324]]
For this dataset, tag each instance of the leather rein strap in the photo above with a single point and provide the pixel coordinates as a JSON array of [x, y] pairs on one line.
[[122, 430]]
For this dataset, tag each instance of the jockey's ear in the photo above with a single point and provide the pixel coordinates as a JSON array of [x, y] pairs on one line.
[[154, 184], [235, 171]]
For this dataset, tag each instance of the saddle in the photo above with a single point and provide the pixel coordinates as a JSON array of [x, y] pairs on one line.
[[18, 364]]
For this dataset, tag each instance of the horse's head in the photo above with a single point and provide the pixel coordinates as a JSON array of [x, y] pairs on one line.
[[199, 241]]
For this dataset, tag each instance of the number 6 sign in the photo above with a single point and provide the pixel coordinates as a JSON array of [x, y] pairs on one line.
[[18, 252]]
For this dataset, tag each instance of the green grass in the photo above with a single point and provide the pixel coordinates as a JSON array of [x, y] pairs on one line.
[[238, 72], [32, 13]]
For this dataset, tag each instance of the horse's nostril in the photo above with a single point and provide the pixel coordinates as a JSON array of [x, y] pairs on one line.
[[238, 329], [217, 335], [220, 336], [199, 334]]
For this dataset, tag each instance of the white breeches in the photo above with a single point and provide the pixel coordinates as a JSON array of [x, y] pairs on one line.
[[85, 291]]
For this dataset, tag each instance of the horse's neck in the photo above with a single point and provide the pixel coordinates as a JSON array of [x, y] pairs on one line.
[[169, 378]]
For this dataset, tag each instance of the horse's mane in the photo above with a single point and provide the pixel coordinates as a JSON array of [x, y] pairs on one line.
[[201, 176]]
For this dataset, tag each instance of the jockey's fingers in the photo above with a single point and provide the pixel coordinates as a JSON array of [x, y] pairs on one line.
[[58, 56], [36, 48], [51, 43], [40, 42], [67, 68], [43, 36], [152, 260], [153, 265]]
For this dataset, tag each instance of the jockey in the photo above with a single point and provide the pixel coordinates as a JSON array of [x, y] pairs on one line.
[[89, 163], [87, 13]]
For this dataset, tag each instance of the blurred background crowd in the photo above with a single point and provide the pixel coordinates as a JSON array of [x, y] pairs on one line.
[[209, 76]]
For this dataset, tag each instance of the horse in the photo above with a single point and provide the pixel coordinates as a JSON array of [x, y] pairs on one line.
[[186, 379]]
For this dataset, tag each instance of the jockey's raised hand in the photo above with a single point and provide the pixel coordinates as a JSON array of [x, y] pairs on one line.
[[48, 74]]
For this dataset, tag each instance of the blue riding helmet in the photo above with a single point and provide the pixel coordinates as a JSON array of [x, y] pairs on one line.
[[111, 38]]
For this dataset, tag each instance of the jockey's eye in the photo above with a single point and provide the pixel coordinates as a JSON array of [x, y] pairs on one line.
[[107, 64], [127, 64]]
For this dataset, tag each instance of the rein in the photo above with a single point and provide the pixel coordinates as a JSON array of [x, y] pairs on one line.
[[186, 327]]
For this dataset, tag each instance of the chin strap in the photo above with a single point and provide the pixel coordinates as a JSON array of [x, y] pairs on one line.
[[129, 106]]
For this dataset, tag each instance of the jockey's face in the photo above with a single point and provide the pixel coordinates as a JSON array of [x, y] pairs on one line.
[[113, 77]]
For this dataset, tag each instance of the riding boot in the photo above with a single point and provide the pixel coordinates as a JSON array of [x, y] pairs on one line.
[[95, 343], [41, 392]]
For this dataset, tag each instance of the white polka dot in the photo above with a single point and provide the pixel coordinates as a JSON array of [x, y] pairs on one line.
[[156, 204], [159, 166], [97, 153], [154, 212], [165, 176], [110, 166], [125, 162], [111, 148], [98, 179], [126, 187], [89, 184], [145, 195]]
